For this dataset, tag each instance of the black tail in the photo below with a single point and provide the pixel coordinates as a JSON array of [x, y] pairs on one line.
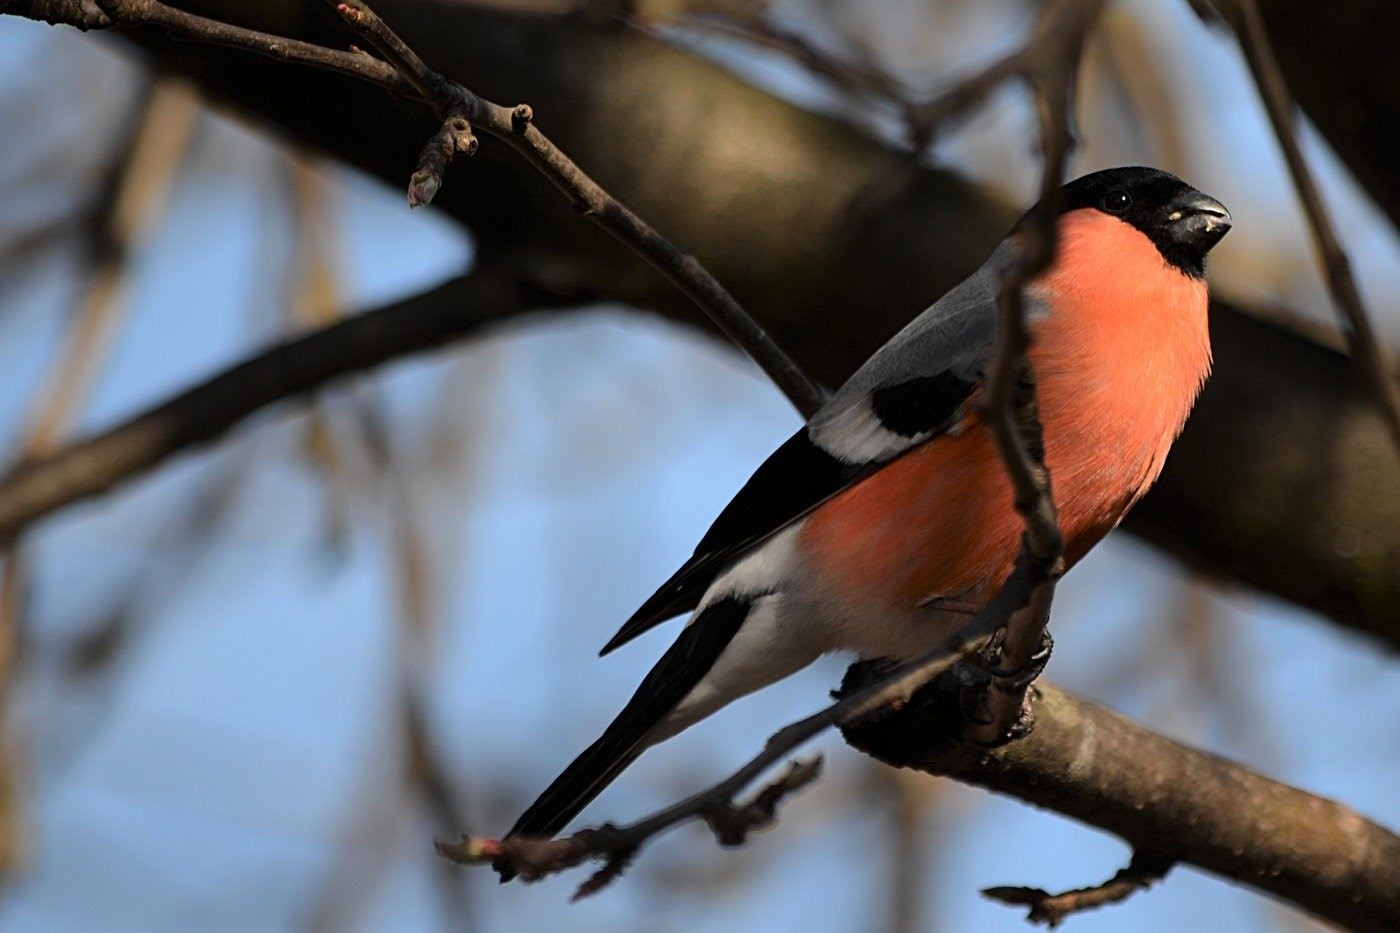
[[674, 676]]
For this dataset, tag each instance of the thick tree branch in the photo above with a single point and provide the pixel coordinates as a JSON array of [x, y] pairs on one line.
[[1283, 479], [1371, 362], [1166, 800], [406, 75]]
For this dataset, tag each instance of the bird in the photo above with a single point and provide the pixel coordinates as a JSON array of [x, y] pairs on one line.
[[887, 519]]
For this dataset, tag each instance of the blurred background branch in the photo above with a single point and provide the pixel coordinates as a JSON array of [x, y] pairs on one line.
[[143, 179]]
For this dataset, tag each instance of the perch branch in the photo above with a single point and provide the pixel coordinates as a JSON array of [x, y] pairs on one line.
[[1177, 803]]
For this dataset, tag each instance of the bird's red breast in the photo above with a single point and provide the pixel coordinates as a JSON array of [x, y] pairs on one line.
[[1119, 361]]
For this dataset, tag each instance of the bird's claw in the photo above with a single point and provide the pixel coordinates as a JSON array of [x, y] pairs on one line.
[[1020, 678], [976, 687]]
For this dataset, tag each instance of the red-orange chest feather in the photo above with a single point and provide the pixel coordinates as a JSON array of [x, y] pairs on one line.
[[1119, 359]]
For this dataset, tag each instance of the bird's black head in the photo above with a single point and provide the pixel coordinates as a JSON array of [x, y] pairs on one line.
[[1183, 223]]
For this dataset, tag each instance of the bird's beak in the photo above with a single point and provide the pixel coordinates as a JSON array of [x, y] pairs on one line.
[[1199, 220]]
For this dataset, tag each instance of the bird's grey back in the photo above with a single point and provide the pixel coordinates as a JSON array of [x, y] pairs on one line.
[[955, 334]]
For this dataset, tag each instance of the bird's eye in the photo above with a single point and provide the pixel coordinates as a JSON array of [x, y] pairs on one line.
[[1117, 201]]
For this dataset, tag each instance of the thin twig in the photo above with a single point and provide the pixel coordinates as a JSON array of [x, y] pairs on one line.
[[405, 75], [1052, 909], [1367, 356], [516, 126], [1010, 406], [533, 858], [1049, 57], [754, 27]]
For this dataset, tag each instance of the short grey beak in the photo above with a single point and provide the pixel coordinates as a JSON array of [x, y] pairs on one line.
[[1199, 219]]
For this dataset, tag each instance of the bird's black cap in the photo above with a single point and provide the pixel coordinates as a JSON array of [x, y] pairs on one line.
[[1182, 222]]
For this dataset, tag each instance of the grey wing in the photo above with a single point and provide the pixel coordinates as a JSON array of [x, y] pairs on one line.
[[914, 386]]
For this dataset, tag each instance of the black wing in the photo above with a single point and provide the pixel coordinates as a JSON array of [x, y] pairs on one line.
[[796, 478], [799, 476]]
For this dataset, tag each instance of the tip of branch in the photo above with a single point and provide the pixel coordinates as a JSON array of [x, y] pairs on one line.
[[422, 188], [469, 850], [350, 13], [1051, 909]]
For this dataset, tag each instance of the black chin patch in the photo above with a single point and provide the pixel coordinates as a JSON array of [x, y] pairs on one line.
[[1145, 198]]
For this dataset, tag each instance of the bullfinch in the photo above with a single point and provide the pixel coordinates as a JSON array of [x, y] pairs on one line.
[[887, 520]]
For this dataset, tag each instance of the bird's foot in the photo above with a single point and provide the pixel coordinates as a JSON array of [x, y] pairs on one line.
[[974, 694], [1021, 677]]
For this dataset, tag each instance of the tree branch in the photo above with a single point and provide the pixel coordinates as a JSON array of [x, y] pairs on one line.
[[1172, 803], [1166, 800], [1014, 423], [1366, 354], [406, 75], [1282, 479], [1051, 62]]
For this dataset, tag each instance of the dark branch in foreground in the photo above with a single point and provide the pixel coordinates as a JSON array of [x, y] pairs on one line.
[[459, 109], [1051, 63], [1366, 353], [1052, 909], [533, 858], [1165, 799]]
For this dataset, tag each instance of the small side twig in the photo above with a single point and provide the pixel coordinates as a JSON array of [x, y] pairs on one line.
[[1052, 909], [615, 846], [442, 147], [1244, 20]]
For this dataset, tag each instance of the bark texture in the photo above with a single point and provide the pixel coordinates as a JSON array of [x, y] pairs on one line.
[[1168, 801]]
